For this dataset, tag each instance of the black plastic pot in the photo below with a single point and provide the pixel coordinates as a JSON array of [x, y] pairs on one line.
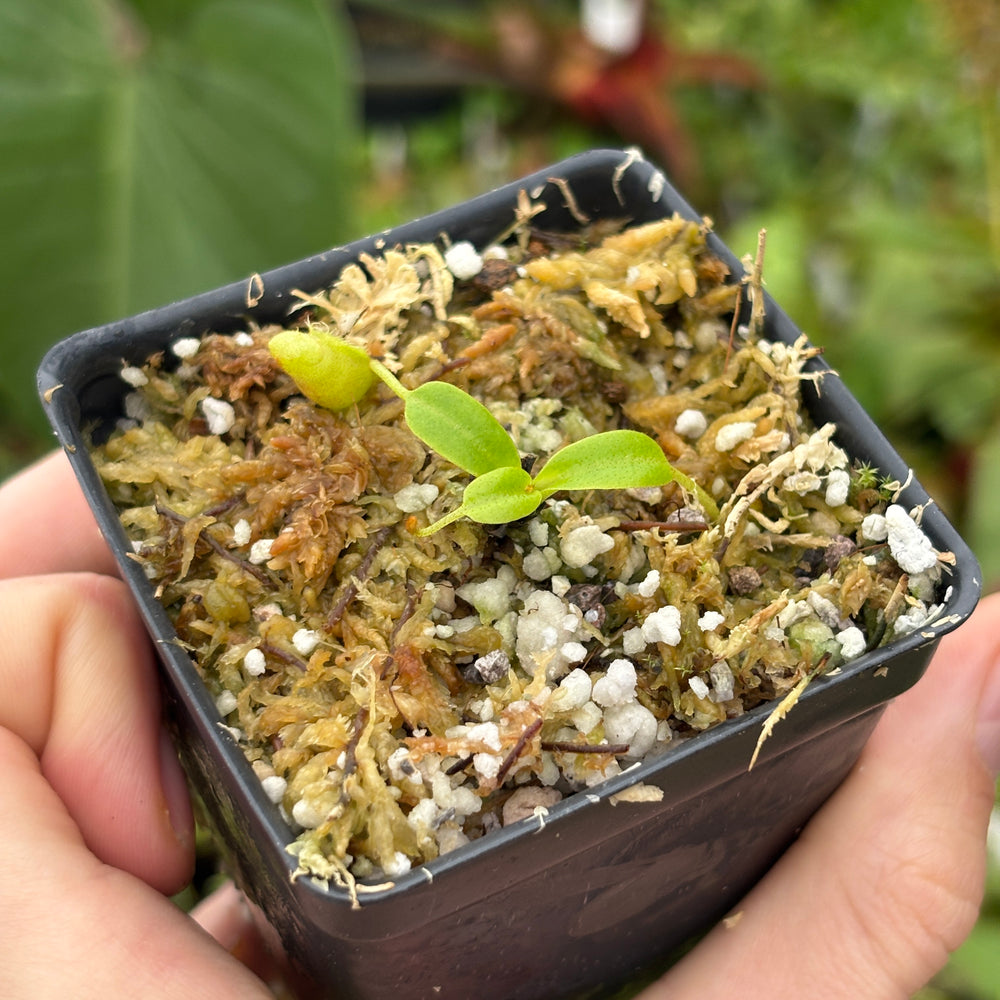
[[582, 900]]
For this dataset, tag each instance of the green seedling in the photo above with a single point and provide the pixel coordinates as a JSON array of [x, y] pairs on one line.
[[329, 371], [335, 374]]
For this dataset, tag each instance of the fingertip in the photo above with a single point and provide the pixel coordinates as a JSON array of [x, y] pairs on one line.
[[983, 641], [241, 929], [178, 816], [225, 915], [58, 532], [97, 732]]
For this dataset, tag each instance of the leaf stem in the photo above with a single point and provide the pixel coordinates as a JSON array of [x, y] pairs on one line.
[[389, 379], [708, 505]]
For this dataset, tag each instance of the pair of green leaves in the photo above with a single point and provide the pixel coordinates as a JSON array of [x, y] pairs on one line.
[[462, 430]]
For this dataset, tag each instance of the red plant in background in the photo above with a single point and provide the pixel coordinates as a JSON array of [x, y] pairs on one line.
[[628, 92]]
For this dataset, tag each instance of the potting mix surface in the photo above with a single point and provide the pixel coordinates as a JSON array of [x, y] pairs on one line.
[[399, 695]]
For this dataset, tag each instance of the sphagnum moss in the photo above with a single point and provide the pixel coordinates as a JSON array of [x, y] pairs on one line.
[[399, 693]]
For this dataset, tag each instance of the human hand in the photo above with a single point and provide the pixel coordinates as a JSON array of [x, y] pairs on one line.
[[882, 884], [95, 822], [887, 878]]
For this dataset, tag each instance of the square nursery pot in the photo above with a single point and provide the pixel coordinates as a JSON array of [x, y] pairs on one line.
[[578, 901]]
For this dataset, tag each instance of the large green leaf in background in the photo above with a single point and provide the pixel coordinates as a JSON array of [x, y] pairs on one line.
[[152, 150]]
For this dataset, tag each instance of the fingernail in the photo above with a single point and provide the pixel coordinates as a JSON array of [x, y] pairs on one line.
[[175, 793], [988, 723]]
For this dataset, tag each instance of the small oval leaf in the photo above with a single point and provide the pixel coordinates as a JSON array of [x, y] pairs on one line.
[[459, 428], [330, 371], [612, 460], [499, 496]]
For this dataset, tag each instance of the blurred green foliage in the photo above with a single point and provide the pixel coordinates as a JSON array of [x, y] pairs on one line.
[[152, 150], [871, 155]]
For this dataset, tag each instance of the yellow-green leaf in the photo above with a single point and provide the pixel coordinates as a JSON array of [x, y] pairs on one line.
[[459, 428], [609, 461], [496, 497], [327, 369]]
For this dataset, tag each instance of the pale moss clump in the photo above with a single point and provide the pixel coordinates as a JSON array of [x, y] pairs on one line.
[[399, 692]]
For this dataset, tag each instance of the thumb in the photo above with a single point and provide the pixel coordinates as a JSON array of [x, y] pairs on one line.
[[887, 879], [78, 686], [84, 809]]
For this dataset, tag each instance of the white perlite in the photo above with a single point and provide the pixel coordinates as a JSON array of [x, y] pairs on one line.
[[540, 564], [133, 376], [219, 415], [538, 532], [663, 625], [583, 544], [260, 551], [491, 598], [305, 641], [587, 717], [573, 691], [463, 800], [463, 260], [399, 865], [710, 621], [691, 424], [241, 532], [909, 546], [617, 686], [838, 487], [852, 642], [912, 619], [254, 663], [274, 787], [545, 626], [486, 733], [633, 641], [698, 686], [874, 528], [633, 724], [186, 347], [416, 496], [307, 815], [225, 703], [734, 434], [487, 765]]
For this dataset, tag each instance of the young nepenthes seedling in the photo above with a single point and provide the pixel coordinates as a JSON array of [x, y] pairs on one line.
[[335, 374]]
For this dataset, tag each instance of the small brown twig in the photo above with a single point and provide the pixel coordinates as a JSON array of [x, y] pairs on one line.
[[609, 748], [522, 742], [404, 616], [459, 765], [351, 751], [676, 526], [268, 649], [756, 281], [215, 544], [358, 577]]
